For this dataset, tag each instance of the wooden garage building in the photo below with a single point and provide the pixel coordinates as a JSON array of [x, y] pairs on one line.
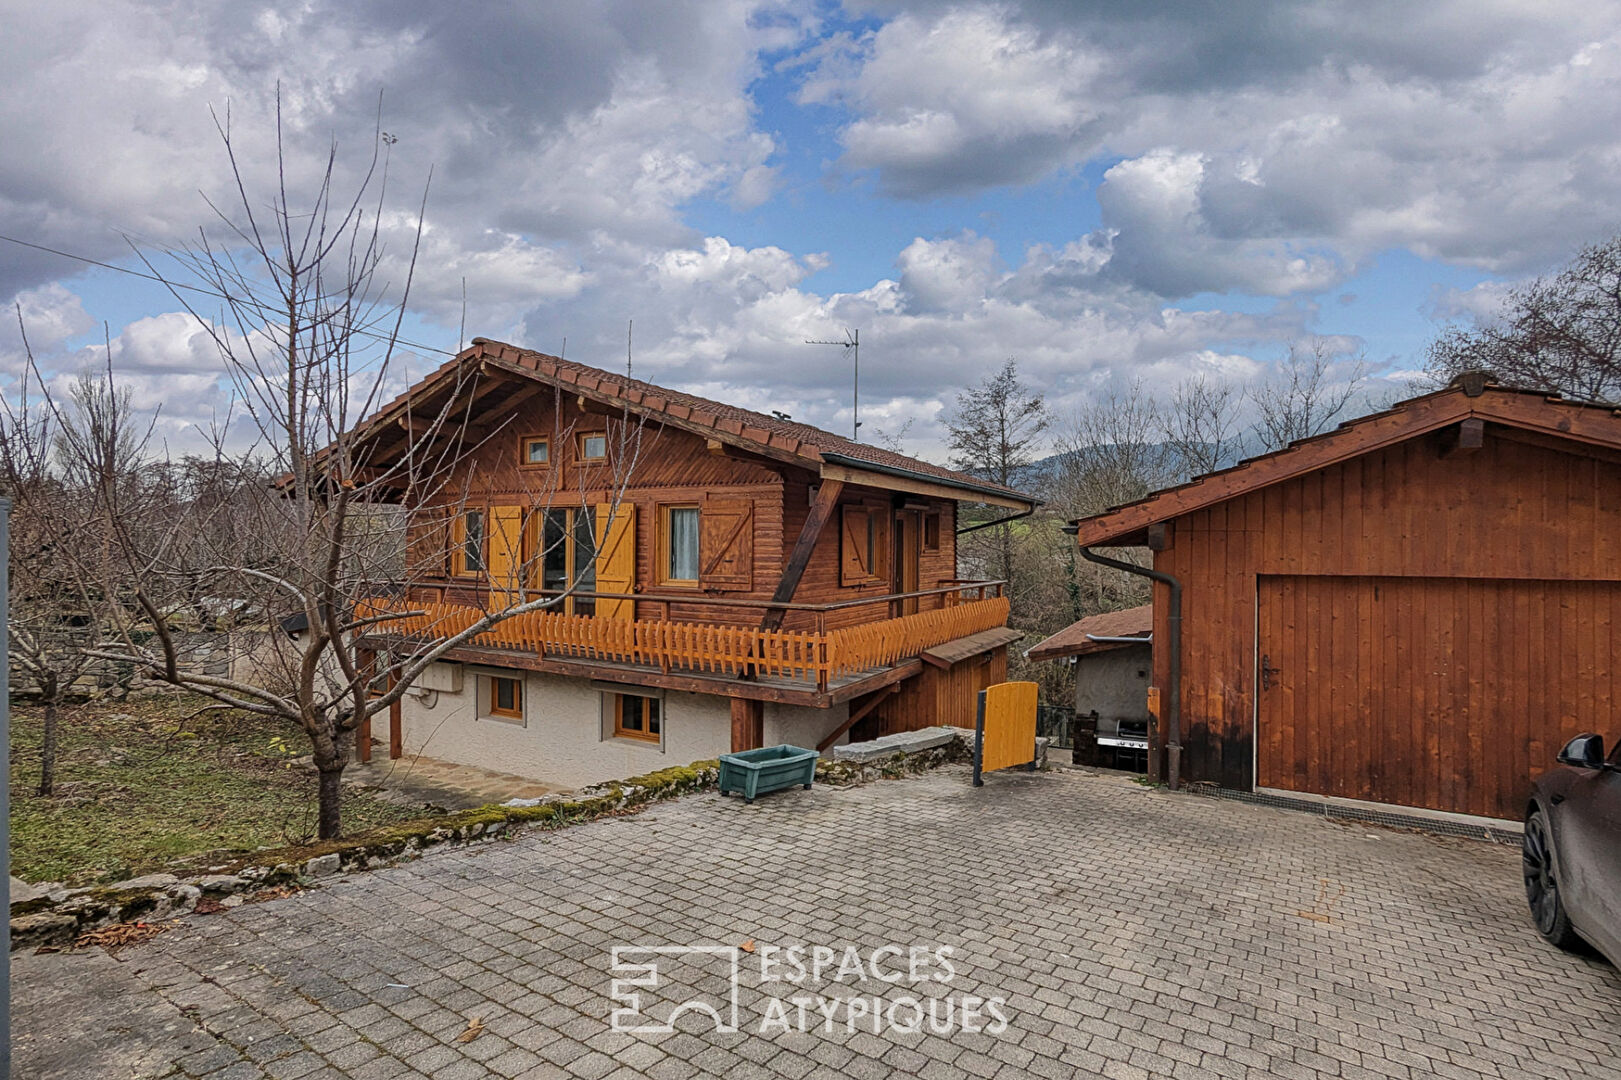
[[1418, 608]]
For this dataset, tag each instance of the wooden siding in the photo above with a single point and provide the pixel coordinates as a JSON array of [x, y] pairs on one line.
[[936, 696], [673, 467], [1508, 511], [1446, 693]]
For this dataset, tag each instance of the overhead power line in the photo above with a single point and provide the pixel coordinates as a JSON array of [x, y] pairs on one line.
[[248, 303]]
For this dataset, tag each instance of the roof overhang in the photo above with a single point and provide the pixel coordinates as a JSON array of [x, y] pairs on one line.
[[855, 471], [1580, 427]]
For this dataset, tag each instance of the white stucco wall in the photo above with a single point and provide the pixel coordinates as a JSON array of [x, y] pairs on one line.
[[561, 740]]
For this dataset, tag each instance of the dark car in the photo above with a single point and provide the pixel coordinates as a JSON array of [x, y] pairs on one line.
[[1573, 849]]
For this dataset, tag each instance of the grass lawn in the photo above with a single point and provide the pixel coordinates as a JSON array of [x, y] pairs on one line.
[[142, 784]]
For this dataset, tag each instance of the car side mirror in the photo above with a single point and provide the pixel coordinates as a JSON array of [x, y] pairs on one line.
[[1584, 752]]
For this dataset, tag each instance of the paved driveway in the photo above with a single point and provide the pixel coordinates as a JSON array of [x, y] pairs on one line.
[[1127, 932]]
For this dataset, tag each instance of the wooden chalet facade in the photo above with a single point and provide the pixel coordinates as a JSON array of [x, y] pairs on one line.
[[1418, 608], [725, 579]]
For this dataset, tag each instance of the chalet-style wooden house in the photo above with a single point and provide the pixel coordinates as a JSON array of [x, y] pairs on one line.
[[725, 579], [1418, 608]]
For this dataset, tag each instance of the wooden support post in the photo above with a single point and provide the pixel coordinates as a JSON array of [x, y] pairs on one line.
[[748, 724], [857, 714], [396, 737], [821, 512]]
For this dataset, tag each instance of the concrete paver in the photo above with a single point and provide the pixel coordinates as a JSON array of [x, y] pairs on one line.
[[1126, 933]]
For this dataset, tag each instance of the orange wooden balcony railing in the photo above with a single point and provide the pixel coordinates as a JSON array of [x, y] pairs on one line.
[[814, 657]]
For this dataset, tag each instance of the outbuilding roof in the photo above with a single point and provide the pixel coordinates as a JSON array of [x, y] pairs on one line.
[[820, 451], [1526, 415], [1072, 640]]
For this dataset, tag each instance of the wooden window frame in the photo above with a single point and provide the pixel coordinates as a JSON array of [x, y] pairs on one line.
[[490, 709], [580, 438], [534, 556], [618, 729], [661, 554], [458, 550], [931, 531], [524, 442]]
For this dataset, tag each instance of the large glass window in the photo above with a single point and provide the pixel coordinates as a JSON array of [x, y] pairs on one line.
[[472, 545], [568, 539], [585, 559], [681, 543]]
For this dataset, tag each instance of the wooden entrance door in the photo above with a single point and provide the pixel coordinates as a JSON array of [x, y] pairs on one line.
[[908, 554], [1445, 693]]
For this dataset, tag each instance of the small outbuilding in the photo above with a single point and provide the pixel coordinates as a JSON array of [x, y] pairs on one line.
[[1417, 608], [1112, 656]]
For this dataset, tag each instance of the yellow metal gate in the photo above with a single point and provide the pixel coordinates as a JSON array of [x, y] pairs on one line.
[[1005, 734]]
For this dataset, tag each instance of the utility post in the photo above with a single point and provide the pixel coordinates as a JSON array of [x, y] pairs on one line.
[[5, 784], [852, 345]]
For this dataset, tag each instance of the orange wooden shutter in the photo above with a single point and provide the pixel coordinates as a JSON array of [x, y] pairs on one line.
[[726, 544], [616, 559], [506, 555], [854, 537]]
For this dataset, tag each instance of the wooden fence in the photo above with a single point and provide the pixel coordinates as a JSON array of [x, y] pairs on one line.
[[699, 648]]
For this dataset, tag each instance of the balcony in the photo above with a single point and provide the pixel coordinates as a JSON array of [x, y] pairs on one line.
[[814, 667]]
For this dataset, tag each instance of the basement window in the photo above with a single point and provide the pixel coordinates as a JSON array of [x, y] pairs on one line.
[[635, 717], [501, 698]]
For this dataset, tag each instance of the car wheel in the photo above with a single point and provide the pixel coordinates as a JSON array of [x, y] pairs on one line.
[[1542, 886]]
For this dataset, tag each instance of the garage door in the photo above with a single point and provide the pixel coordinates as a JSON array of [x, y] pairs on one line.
[[1444, 693]]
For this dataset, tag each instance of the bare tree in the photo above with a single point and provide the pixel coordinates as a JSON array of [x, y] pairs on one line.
[[995, 431], [1561, 334], [58, 602], [1201, 426], [1306, 395], [309, 335]]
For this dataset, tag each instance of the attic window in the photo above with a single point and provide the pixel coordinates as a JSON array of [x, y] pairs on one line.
[[593, 446], [536, 450]]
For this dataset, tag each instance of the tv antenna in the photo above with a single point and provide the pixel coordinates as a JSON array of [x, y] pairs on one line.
[[852, 345]]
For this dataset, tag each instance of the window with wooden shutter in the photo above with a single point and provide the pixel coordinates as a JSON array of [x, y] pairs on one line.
[[467, 551], [505, 558], [856, 546], [616, 558], [726, 544]]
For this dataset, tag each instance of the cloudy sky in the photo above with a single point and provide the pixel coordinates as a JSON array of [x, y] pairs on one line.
[[1103, 191]]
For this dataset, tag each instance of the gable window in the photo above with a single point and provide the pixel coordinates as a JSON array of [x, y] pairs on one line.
[[467, 555], [678, 545], [593, 446], [535, 450], [502, 698], [636, 717]]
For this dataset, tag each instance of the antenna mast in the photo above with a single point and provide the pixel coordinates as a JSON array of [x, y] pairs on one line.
[[852, 345]]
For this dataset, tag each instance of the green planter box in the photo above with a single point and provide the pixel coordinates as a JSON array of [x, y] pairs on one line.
[[770, 768]]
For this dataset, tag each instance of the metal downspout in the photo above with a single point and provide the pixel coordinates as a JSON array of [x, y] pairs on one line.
[[1173, 711]]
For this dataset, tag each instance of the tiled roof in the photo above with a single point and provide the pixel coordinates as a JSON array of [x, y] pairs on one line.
[[1072, 640], [771, 435]]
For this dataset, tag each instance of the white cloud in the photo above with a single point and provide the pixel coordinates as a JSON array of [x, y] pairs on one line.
[[1270, 149]]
